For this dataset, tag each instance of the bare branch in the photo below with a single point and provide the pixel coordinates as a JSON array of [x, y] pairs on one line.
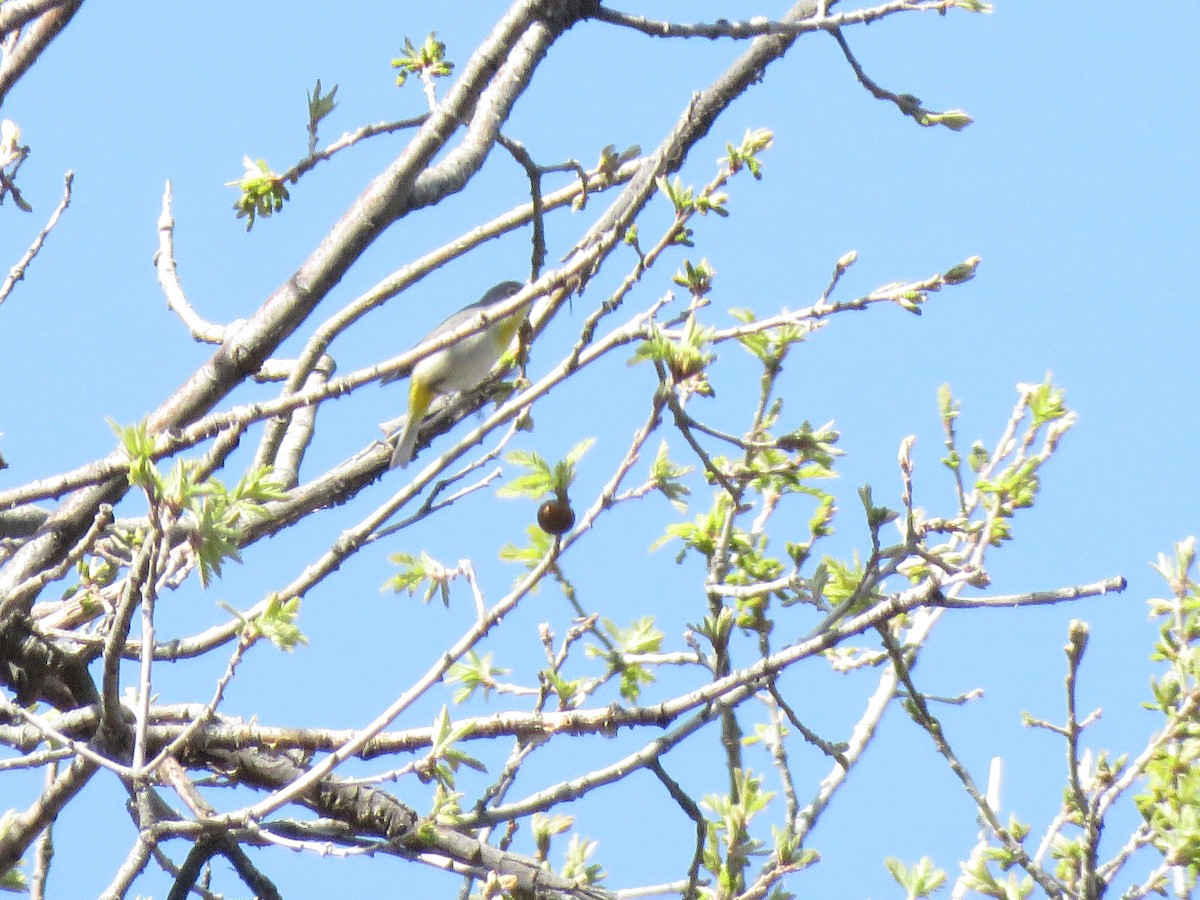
[[26, 826], [808, 17], [34, 37], [16, 13], [1037, 598], [17, 272], [168, 278]]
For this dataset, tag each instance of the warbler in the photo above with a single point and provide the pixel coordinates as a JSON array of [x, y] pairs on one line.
[[459, 367]]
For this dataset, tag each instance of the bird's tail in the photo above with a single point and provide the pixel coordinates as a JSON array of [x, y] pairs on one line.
[[407, 442]]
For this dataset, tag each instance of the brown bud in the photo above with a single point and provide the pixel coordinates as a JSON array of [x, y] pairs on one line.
[[556, 516]]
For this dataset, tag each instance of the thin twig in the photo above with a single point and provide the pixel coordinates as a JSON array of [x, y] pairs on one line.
[[168, 279], [17, 272]]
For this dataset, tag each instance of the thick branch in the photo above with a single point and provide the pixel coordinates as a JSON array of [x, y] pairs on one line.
[[16, 13], [25, 828], [490, 84], [377, 812], [35, 37]]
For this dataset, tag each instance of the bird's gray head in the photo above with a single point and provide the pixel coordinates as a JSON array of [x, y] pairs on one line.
[[502, 291]]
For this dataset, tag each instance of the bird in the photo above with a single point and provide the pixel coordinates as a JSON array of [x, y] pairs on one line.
[[458, 367]]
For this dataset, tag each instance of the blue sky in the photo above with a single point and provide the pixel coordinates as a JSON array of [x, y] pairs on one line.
[[1077, 185]]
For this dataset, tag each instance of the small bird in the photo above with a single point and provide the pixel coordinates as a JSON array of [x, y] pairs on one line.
[[459, 367]]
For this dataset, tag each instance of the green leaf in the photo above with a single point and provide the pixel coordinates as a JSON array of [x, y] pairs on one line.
[[696, 278], [954, 119], [530, 556], [919, 880], [877, 516], [684, 355], [701, 533], [1046, 402], [416, 571], [746, 155], [278, 623], [138, 444], [428, 60], [540, 478], [577, 868], [444, 759], [667, 478], [682, 198], [474, 672], [815, 445], [263, 191], [978, 457], [566, 691], [544, 827], [769, 347], [845, 581], [964, 271], [640, 637], [320, 105]]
